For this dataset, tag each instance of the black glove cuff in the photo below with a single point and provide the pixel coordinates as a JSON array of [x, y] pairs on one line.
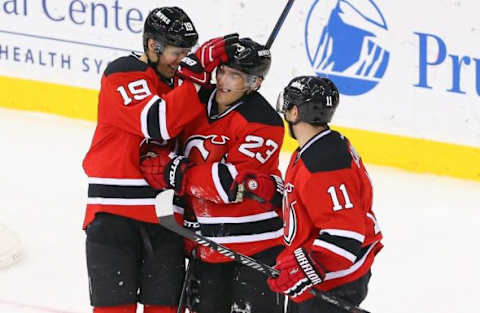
[[277, 199], [308, 266], [175, 171]]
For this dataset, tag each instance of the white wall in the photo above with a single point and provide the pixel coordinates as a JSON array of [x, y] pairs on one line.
[[444, 106]]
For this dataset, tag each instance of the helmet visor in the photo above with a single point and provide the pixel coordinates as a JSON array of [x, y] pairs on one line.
[[288, 98], [282, 105]]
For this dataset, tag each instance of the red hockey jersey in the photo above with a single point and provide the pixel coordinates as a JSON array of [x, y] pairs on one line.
[[248, 135], [328, 208], [133, 104]]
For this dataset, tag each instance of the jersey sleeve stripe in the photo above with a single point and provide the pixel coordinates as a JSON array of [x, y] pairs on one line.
[[247, 238], [232, 169], [335, 249], [237, 220], [118, 191], [375, 224], [344, 233], [144, 117], [116, 201], [163, 120], [242, 229], [127, 192], [153, 121], [350, 245], [221, 177], [354, 267], [118, 181]]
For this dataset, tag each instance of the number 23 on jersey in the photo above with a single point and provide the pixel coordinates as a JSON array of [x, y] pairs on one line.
[[255, 142]]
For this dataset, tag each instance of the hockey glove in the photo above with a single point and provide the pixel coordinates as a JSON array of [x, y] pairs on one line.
[[198, 67], [298, 274], [164, 170], [266, 189], [150, 148]]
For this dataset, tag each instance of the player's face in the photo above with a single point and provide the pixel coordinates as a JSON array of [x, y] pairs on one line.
[[231, 85], [170, 59]]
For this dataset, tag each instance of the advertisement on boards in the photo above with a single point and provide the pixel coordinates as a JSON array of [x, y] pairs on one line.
[[405, 68]]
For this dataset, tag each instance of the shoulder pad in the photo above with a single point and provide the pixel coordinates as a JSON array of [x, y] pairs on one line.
[[329, 153], [126, 64], [256, 109]]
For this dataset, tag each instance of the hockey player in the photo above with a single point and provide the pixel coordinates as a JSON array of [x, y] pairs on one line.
[[130, 258], [238, 131], [331, 234]]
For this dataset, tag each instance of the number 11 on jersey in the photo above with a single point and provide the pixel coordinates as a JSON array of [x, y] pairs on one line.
[[336, 204]]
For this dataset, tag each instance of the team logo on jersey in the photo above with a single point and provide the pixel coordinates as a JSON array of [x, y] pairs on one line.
[[206, 146], [289, 216], [345, 41]]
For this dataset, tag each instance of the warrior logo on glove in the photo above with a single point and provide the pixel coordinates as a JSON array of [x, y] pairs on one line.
[[307, 267], [299, 272]]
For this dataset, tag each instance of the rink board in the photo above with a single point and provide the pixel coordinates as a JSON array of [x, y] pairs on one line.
[[412, 154]]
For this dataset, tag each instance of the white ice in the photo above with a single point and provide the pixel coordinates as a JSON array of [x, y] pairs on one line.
[[430, 224]]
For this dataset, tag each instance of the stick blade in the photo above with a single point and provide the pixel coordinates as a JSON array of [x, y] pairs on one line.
[[163, 205]]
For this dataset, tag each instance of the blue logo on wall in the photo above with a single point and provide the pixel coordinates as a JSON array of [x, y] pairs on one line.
[[344, 42]]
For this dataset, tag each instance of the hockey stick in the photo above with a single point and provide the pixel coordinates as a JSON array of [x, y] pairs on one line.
[[171, 224], [168, 221], [279, 24], [183, 295]]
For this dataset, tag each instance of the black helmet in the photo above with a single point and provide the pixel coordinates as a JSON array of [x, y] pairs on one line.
[[169, 26], [251, 58], [316, 98]]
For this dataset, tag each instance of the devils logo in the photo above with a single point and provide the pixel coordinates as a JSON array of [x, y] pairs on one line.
[[211, 147]]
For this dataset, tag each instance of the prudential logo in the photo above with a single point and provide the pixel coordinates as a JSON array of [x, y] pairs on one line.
[[344, 41]]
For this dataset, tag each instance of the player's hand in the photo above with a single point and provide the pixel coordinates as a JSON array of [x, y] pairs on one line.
[[198, 67], [164, 170], [264, 188], [298, 274], [215, 51]]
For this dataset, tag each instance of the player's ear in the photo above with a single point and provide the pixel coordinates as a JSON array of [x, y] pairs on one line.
[[294, 113], [258, 83], [151, 44], [255, 83]]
